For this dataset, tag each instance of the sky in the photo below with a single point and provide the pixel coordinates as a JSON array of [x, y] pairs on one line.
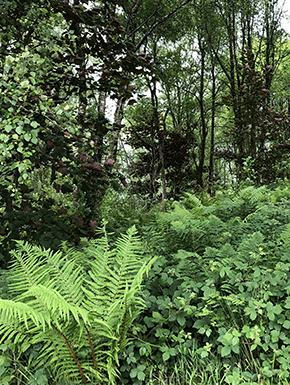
[[285, 22]]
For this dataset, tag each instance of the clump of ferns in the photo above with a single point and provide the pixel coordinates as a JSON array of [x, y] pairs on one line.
[[78, 304]]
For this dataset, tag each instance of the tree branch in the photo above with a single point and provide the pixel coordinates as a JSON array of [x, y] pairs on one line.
[[157, 23]]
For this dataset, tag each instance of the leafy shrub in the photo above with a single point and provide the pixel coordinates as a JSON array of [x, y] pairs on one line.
[[221, 289], [71, 310]]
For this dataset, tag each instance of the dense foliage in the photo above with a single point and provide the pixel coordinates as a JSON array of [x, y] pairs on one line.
[[219, 292], [165, 118], [55, 59], [216, 298], [73, 308], [199, 112]]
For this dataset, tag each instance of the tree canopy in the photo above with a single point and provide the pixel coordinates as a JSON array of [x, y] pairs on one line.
[[200, 91]]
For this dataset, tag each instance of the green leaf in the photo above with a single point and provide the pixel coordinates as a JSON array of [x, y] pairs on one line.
[[138, 372], [34, 124], [236, 349], [271, 315], [133, 373], [142, 351], [157, 316], [4, 138], [4, 362], [8, 128], [6, 380], [24, 83], [173, 351], [228, 337], [275, 335], [236, 333], [253, 347], [286, 324], [27, 136], [141, 376], [21, 167], [252, 312], [235, 341], [287, 303], [181, 319], [166, 355], [277, 309], [39, 378], [233, 379], [226, 350], [19, 130]]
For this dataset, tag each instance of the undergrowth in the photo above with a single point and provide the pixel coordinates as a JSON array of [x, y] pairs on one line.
[[219, 291], [217, 306]]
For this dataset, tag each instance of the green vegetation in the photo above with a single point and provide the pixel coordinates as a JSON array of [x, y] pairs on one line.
[[144, 192], [216, 300], [70, 311]]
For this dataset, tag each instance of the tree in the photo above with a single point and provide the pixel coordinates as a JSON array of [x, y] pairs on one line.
[[142, 21], [260, 139], [242, 35], [55, 60]]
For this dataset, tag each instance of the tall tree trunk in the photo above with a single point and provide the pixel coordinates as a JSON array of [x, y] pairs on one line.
[[201, 101], [102, 102], [81, 72], [117, 125], [212, 132], [160, 136]]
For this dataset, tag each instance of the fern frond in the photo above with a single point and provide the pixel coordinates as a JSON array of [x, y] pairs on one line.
[[110, 275], [73, 302], [21, 312], [28, 267], [66, 275], [191, 201], [15, 332], [253, 194], [51, 300]]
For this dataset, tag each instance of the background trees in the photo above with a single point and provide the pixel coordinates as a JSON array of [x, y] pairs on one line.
[[215, 87]]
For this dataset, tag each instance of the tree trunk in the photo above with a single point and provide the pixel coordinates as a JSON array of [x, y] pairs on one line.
[[154, 100], [204, 131], [117, 125], [212, 137]]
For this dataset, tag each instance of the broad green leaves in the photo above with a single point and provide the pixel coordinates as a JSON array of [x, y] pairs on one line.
[[55, 59], [234, 255]]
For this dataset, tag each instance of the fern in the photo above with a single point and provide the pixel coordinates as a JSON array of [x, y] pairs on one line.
[[253, 194], [78, 304]]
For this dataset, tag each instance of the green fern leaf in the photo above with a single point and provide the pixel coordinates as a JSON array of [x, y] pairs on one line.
[[75, 300]]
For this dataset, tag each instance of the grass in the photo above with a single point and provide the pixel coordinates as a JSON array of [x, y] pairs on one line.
[[190, 369]]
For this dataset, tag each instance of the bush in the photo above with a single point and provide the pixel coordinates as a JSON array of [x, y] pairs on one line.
[[71, 310], [221, 290]]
